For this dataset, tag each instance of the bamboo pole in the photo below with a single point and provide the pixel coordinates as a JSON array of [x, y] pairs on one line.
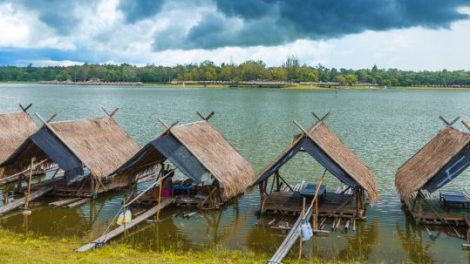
[[301, 240], [26, 211], [159, 198]]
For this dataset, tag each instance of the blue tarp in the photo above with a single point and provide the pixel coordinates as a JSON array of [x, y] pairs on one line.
[[318, 154], [180, 156], [58, 152], [451, 170]]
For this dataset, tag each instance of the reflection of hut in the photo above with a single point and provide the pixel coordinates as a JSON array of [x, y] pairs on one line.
[[440, 161], [14, 129], [327, 149], [197, 150], [412, 243], [361, 244], [86, 150]]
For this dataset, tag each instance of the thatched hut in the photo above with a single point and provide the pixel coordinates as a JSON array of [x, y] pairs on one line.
[[440, 161], [86, 150], [214, 170], [328, 150]]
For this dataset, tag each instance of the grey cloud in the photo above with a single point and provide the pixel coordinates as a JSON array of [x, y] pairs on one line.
[[275, 22], [137, 10]]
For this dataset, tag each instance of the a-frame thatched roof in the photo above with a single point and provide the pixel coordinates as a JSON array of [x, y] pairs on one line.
[[332, 153], [430, 161], [195, 148], [14, 129], [99, 144]]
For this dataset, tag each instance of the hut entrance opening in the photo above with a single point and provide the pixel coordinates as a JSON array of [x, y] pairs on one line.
[[278, 196], [359, 185]]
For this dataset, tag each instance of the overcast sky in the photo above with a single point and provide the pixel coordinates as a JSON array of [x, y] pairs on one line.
[[405, 34]]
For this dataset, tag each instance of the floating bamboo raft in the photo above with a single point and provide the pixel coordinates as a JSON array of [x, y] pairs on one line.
[[20, 202], [121, 229]]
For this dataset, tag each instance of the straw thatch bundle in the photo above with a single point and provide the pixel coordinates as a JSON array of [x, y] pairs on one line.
[[14, 129], [429, 160], [101, 144], [344, 158], [217, 155]]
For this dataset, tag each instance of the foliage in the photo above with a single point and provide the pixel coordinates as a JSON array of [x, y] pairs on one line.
[[290, 71]]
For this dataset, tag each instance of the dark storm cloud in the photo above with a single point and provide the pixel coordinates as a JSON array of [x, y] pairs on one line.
[[137, 10], [274, 22]]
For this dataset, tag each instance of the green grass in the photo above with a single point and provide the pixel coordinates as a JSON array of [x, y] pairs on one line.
[[29, 248]]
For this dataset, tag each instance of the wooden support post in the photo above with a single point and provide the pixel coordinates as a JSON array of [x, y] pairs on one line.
[[301, 239], [159, 198], [262, 198], [278, 184], [26, 205], [92, 186]]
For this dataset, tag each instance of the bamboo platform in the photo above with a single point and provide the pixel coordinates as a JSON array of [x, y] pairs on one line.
[[286, 202], [457, 218], [21, 201], [121, 229]]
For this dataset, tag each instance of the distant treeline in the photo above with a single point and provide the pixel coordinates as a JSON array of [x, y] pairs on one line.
[[290, 71]]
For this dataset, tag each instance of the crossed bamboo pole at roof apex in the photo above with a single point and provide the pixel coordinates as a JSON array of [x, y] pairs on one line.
[[25, 109], [168, 127], [451, 123]]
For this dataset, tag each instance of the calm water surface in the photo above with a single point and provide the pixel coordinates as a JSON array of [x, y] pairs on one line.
[[383, 128]]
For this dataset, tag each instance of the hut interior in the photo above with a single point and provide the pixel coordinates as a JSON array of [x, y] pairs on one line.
[[280, 197], [85, 151], [420, 180], [209, 170]]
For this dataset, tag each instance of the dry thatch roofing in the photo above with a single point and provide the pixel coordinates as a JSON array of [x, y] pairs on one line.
[[216, 154], [429, 160], [340, 154], [14, 129], [101, 144], [345, 158]]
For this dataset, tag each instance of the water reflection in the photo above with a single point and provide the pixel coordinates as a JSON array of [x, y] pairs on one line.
[[384, 128], [411, 241]]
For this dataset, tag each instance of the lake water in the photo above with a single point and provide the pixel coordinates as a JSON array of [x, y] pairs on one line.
[[383, 128]]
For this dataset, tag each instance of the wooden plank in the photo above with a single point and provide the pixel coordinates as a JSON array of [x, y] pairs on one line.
[[78, 203], [20, 202], [119, 230], [63, 202], [290, 239]]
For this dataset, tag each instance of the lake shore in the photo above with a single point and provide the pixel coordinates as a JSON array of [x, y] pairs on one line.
[[224, 86], [31, 248]]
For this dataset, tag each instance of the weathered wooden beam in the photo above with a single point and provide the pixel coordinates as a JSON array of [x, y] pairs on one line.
[[63, 202], [78, 203], [121, 229], [20, 202]]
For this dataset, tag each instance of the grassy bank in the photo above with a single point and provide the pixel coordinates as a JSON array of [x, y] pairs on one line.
[[18, 248]]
